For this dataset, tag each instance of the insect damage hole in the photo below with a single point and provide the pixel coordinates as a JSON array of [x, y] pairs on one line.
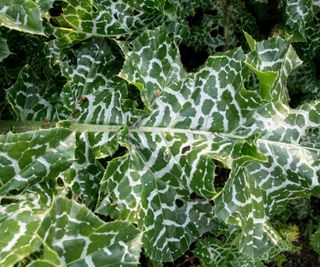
[[179, 203], [121, 151], [195, 197], [60, 182], [185, 149], [222, 175], [222, 238], [134, 93]]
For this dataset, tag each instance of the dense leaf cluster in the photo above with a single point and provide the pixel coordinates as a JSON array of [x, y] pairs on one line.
[[134, 131]]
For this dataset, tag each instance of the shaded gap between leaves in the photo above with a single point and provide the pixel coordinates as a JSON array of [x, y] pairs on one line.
[[31, 257], [190, 58], [196, 19], [252, 83], [188, 259], [316, 63], [56, 9], [267, 16], [312, 136]]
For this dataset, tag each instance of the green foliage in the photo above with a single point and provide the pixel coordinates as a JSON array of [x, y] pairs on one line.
[[101, 118], [4, 49]]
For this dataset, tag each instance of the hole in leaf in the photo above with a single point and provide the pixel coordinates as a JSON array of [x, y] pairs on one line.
[[171, 35], [192, 59], [194, 196], [221, 238], [121, 38], [196, 19], [116, 16], [120, 152], [33, 256], [211, 202], [8, 200], [185, 149], [134, 94], [60, 182], [135, 12], [179, 203], [207, 235], [69, 194], [105, 218], [94, 9], [222, 175], [56, 9]]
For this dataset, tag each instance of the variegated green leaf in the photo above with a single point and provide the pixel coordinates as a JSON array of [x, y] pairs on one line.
[[49, 258], [103, 18], [149, 186], [221, 249], [298, 13], [19, 222], [209, 113], [85, 173], [34, 226], [223, 30], [32, 157], [148, 154], [21, 15], [154, 67], [82, 239], [93, 94], [215, 252], [272, 61], [34, 97]]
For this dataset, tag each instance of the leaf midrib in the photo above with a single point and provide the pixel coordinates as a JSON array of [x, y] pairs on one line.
[[86, 127]]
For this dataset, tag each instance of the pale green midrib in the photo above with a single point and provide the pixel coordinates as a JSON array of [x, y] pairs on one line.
[[86, 127]]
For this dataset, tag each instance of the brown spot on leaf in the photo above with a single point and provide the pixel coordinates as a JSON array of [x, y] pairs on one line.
[[82, 99], [157, 92]]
